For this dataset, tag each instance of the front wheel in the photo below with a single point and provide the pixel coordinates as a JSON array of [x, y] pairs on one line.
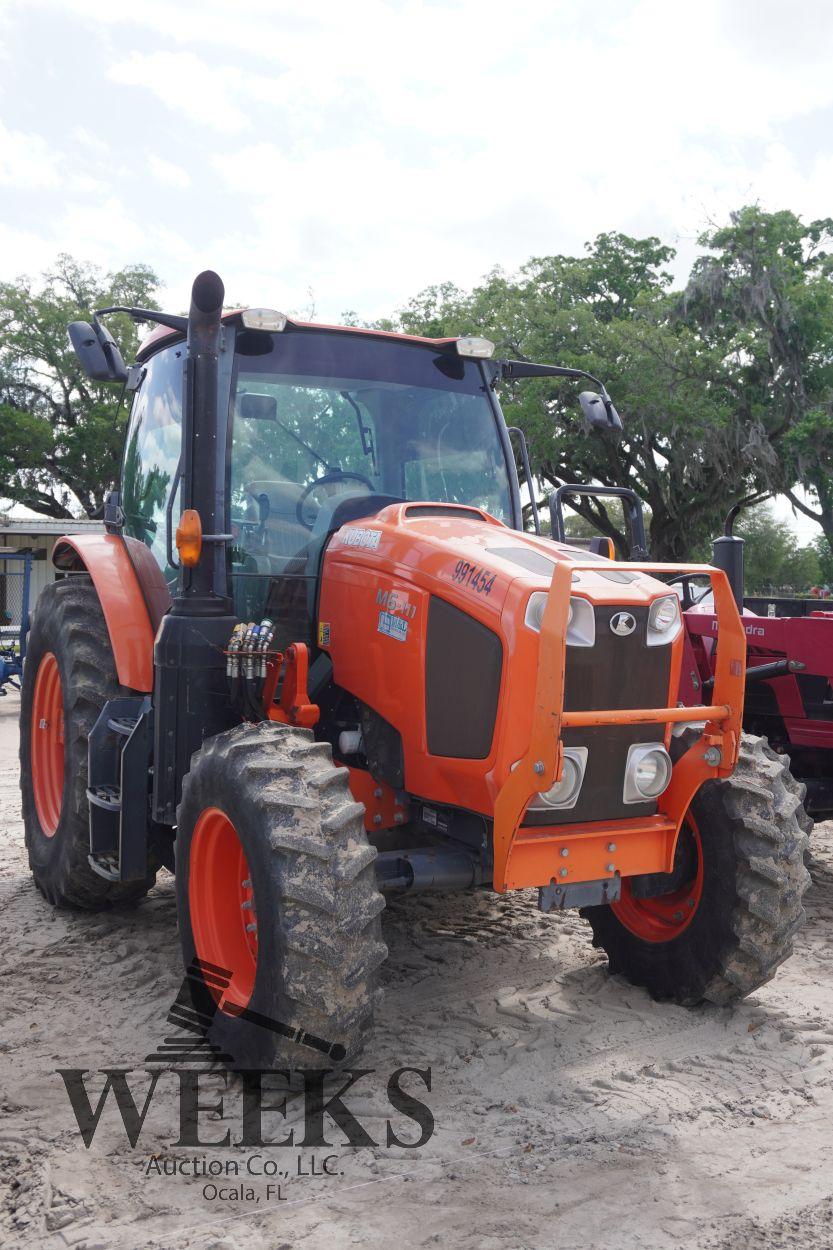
[[735, 902], [277, 900]]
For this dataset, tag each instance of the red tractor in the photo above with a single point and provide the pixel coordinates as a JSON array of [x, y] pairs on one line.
[[315, 660]]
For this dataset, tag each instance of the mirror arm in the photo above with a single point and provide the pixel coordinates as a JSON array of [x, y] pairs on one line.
[[510, 369], [145, 314]]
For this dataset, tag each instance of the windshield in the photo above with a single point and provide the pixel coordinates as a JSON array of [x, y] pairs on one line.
[[319, 419], [318, 416]]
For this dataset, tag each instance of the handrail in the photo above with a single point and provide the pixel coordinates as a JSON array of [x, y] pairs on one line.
[[646, 716], [536, 520]]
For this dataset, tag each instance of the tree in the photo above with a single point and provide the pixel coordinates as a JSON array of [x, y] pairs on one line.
[[773, 557], [725, 387], [808, 448], [763, 296], [824, 554], [610, 312], [61, 435]]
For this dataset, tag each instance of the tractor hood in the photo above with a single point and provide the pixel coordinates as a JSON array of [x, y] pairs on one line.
[[469, 552]]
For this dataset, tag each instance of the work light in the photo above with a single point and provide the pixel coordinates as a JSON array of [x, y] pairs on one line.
[[647, 772], [566, 790], [263, 319], [475, 347]]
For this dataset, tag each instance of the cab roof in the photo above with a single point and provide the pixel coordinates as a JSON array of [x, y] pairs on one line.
[[162, 336]]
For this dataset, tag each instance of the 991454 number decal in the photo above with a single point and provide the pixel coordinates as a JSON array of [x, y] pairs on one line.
[[474, 577]]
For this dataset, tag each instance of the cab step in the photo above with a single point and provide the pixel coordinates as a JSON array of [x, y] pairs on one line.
[[118, 790]]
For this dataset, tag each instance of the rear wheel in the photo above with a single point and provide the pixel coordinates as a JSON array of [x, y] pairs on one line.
[[278, 905], [69, 674], [728, 921]]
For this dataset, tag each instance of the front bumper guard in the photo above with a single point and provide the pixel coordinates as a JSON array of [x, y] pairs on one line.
[[565, 854]]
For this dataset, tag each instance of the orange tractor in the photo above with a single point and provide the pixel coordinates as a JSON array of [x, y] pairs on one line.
[[315, 661]]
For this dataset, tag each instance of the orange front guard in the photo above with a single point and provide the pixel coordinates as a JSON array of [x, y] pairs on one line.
[[594, 851]]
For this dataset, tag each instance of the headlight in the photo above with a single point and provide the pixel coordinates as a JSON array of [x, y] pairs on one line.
[[581, 619], [664, 622], [647, 772], [566, 791]]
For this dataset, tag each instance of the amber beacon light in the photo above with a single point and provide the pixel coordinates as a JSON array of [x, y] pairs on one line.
[[189, 537]]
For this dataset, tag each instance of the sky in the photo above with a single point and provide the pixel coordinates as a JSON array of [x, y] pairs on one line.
[[342, 156]]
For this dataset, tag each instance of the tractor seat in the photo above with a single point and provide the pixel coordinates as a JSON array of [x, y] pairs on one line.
[[276, 502], [596, 546]]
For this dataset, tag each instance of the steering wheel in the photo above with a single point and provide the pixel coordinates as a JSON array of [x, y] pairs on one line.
[[332, 475], [690, 598]]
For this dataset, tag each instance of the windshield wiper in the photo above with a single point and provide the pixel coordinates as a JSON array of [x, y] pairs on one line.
[[301, 442], [365, 432]]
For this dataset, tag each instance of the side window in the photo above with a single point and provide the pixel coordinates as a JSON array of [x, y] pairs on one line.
[[152, 450]]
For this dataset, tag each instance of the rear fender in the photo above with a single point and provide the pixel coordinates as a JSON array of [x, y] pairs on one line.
[[128, 604]]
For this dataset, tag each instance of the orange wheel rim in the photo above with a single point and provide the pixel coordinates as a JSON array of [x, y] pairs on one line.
[[48, 744], [221, 902], [664, 918]]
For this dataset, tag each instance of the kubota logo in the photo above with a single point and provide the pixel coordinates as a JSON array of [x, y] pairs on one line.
[[623, 623]]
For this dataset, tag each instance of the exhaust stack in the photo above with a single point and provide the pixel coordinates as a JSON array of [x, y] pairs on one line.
[[201, 589], [727, 554], [191, 696]]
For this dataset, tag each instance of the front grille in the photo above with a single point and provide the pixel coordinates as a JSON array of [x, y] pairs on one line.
[[617, 672], [614, 674]]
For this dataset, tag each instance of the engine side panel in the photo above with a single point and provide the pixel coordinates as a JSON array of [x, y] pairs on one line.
[[463, 664]]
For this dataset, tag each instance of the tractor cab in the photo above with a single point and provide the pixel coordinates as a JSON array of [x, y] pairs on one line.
[[321, 426]]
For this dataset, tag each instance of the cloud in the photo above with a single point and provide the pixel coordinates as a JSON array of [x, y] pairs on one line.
[[166, 171], [87, 231], [27, 161], [367, 150], [25, 252], [186, 84], [139, 240], [692, 66], [87, 139]]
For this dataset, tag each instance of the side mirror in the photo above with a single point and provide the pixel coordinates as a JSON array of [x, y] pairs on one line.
[[599, 413], [96, 349]]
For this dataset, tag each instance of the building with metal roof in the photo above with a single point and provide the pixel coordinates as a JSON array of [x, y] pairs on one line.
[[39, 534]]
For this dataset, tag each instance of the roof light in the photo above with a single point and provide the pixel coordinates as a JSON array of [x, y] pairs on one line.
[[263, 319], [475, 347]]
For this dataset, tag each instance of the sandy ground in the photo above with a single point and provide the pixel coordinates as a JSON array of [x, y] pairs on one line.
[[570, 1109]]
